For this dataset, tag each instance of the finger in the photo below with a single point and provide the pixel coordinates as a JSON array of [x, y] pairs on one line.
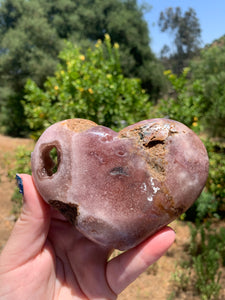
[[30, 231], [125, 268]]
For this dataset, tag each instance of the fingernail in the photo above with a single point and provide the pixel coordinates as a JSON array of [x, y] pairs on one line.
[[19, 183]]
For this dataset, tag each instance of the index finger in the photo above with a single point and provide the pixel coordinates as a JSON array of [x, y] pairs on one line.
[[125, 268]]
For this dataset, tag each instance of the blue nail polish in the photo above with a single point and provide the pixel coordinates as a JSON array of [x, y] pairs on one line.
[[19, 183]]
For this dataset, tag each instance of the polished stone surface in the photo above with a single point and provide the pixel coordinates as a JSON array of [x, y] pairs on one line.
[[120, 188]]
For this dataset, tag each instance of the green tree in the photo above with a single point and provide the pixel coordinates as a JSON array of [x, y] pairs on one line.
[[187, 34], [209, 69], [89, 86], [32, 34], [28, 48], [88, 21], [198, 94]]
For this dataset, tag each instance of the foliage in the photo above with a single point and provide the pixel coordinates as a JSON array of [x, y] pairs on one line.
[[199, 93], [186, 104], [190, 103], [181, 278], [32, 34], [202, 269], [211, 203], [87, 21], [206, 206], [206, 267], [208, 254], [28, 45], [209, 70], [89, 86], [187, 33], [216, 180], [23, 164]]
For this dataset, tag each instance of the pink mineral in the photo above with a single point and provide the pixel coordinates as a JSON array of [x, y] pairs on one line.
[[120, 188]]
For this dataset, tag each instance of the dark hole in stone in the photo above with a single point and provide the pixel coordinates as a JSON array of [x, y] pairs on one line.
[[68, 210], [51, 160], [152, 144]]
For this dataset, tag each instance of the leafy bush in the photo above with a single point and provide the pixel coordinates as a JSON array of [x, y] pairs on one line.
[[206, 267], [186, 104], [89, 86], [23, 164], [207, 251], [189, 106], [198, 94], [202, 269], [216, 180], [209, 70], [206, 206], [211, 203]]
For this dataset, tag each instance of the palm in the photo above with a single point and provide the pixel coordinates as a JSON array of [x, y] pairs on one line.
[[80, 265]]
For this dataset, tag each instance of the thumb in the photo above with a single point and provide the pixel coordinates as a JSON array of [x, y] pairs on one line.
[[31, 229]]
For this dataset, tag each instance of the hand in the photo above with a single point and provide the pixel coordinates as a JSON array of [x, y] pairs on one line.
[[46, 258]]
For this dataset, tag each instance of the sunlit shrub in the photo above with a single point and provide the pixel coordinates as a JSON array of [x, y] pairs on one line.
[[86, 85]]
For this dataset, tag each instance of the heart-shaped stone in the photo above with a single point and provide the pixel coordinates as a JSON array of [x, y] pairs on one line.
[[120, 188]]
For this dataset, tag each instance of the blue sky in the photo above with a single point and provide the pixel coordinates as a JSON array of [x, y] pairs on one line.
[[211, 15]]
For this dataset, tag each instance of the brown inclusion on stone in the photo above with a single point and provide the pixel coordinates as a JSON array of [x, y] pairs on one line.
[[68, 210]]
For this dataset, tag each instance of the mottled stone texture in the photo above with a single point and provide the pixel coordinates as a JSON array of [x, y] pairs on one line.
[[120, 188]]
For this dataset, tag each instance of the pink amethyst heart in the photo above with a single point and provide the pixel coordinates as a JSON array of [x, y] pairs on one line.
[[120, 188]]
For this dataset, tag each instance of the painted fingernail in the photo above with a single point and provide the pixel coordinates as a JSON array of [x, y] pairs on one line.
[[19, 183]]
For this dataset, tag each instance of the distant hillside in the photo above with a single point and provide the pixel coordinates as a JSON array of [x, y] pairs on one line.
[[218, 42]]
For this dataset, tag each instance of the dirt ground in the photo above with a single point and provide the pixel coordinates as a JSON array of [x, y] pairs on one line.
[[8, 147], [156, 283]]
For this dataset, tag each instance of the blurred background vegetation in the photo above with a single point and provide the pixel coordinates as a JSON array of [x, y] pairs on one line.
[[92, 59]]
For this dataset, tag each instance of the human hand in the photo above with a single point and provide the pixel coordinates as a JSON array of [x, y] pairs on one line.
[[47, 258]]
